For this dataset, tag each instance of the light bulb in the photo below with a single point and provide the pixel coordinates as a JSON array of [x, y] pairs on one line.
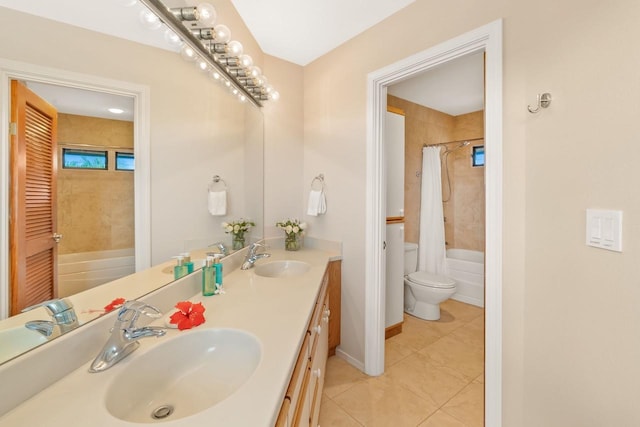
[[187, 53], [254, 71], [223, 33], [172, 38], [149, 20], [274, 95], [234, 48], [202, 65], [207, 15], [245, 61], [268, 88], [216, 75], [243, 98]]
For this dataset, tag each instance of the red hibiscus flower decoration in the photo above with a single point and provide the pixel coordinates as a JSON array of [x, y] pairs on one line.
[[188, 315], [116, 303]]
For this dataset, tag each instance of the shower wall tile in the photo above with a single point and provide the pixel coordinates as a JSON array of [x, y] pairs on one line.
[[95, 208], [464, 211]]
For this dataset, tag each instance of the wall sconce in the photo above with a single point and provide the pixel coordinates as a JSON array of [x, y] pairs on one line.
[[210, 47]]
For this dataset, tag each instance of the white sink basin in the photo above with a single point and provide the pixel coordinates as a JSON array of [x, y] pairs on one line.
[[286, 268], [183, 376], [16, 341]]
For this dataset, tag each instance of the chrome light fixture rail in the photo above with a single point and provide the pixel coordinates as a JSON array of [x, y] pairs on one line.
[[210, 46]]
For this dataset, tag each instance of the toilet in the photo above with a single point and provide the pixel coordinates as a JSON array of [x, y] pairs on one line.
[[423, 291]]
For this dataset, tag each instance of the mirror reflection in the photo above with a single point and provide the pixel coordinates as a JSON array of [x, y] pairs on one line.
[[196, 131]]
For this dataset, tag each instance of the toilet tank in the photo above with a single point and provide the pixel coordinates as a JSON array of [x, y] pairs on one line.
[[410, 257]]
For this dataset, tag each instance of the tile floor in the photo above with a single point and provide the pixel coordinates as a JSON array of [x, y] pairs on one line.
[[434, 377]]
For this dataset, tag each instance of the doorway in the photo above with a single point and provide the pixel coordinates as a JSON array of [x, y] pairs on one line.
[[13, 70], [487, 39]]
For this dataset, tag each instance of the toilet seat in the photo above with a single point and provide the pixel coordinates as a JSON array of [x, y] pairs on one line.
[[430, 280]]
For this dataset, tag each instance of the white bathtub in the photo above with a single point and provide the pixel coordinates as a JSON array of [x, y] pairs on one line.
[[81, 271], [467, 269]]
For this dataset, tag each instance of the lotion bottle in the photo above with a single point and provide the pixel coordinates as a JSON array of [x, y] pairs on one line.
[[217, 265], [209, 277], [180, 269], [188, 262]]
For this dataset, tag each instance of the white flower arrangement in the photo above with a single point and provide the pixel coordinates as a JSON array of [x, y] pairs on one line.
[[292, 227], [237, 227]]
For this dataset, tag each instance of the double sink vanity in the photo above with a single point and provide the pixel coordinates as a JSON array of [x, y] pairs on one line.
[[258, 360]]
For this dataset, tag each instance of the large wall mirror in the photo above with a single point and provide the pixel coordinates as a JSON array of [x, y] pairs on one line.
[[182, 131]]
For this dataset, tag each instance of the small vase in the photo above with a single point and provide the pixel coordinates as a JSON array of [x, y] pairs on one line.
[[292, 242], [237, 242]]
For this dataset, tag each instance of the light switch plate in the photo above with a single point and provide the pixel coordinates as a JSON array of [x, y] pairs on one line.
[[604, 229]]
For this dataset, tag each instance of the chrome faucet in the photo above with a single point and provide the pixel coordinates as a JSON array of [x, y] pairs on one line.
[[221, 248], [252, 256], [63, 318], [125, 334]]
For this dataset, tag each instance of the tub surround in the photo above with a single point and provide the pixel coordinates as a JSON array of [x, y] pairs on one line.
[[276, 310]]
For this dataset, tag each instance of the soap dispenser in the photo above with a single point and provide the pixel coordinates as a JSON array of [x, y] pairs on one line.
[[187, 261], [180, 269], [217, 265], [209, 277]]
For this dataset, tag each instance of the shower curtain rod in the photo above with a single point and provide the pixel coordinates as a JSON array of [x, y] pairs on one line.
[[453, 142]]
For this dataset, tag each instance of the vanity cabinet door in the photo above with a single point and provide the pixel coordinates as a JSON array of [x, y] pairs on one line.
[[318, 365]]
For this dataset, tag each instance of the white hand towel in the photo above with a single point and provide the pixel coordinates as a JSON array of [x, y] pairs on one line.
[[218, 203], [317, 203]]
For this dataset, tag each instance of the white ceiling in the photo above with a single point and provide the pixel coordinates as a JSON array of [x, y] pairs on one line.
[[302, 31], [456, 87], [293, 30]]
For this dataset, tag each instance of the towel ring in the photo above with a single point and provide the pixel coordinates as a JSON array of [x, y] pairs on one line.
[[215, 182], [320, 179]]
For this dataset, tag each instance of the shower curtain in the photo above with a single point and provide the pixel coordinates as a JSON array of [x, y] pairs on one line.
[[431, 254]]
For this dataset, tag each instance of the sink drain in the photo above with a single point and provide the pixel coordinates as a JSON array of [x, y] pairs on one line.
[[162, 412]]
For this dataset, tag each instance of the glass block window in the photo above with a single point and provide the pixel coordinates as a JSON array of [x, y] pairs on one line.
[[125, 161], [84, 159], [478, 156]]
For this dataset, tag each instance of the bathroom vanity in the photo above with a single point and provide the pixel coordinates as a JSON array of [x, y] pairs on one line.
[[275, 325]]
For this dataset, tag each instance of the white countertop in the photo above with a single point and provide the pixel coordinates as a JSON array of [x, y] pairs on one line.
[[275, 310]]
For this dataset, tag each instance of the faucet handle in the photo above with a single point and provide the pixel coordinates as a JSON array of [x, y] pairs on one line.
[[254, 247], [221, 246], [131, 310], [60, 309]]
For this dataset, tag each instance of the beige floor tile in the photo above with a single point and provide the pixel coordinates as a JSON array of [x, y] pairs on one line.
[[395, 351], [417, 374], [452, 352], [416, 334], [471, 333], [380, 403], [332, 415], [468, 405], [340, 376], [442, 419]]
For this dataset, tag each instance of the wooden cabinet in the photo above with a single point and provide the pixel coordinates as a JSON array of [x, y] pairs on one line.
[[301, 406]]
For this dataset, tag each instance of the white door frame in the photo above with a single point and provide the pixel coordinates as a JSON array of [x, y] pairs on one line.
[[141, 146], [488, 39]]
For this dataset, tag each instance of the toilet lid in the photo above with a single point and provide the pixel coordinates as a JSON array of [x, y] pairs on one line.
[[431, 280]]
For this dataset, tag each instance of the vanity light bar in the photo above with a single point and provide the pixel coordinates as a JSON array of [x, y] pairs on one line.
[[220, 57]]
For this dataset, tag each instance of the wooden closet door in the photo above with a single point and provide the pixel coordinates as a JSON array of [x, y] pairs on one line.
[[32, 219]]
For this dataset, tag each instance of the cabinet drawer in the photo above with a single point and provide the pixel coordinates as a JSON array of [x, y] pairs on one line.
[[298, 377]]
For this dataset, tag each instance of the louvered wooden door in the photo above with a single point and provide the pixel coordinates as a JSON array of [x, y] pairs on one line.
[[32, 221]]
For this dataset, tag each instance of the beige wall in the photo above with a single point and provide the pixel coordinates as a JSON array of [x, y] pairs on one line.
[[95, 203], [569, 311], [196, 127]]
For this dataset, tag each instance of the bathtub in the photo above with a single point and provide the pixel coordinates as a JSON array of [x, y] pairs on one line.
[[466, 267], [84, 270]]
